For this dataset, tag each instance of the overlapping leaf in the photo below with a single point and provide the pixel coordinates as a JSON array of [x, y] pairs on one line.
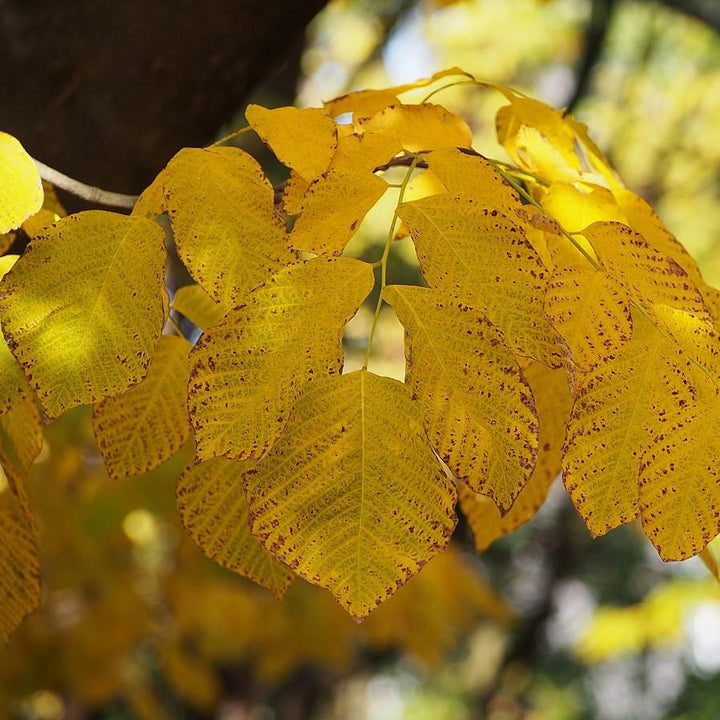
[[590, 310], [304, 140], [143, 427], [484, 258], [619, 408], [552, 400], [226, 230], [197, 306], [478, 410], [351, 496], [83, 308], [21, 192], [212, 505], [249, 368]]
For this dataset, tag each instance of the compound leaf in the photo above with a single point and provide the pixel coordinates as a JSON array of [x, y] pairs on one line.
[[143, 427], [478, 410], [83, 308], [249, 368], [212, 505], [351, 497]]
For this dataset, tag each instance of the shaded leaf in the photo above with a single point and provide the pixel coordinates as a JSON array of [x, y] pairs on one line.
[[351, 497], [83, 308], [478, 410], [483, 257], [553, 402], [143, 427], [197, 306], [249, 368], [212, 505]]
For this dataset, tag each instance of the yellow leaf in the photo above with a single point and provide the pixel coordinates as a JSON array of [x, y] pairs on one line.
[[646, 274], [479, 411], [590, 311], [212, 505], [420, 127], [294, 193], [304, 140], [577, 207], [475, 179], [21, 192], [249, 368], [197, 306], [642, 218], [619, 406], [552, 399], [143, 427], [227, 232], [13, 385], [83, 308], [483, 257], [19, 564], [351, 497], [423, 184], [335, 203], [21, 438]]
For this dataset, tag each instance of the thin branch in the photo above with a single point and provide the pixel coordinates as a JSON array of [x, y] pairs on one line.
[[81, 190]]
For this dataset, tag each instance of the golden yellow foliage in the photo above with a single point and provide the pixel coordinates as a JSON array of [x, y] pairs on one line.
[[82, 309], [21, 192], [197, 306], [351, 497]]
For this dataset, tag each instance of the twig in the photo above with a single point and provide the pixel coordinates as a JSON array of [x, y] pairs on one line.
[[81, 190]]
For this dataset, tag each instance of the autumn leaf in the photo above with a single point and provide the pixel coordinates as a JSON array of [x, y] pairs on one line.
[[21, 192], [82, 309], [197, 306], [248, 369], [351, 497]]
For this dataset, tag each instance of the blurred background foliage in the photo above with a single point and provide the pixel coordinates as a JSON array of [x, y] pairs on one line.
[[547, 624]]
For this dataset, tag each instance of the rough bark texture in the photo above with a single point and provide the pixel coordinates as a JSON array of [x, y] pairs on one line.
[[108, 91]]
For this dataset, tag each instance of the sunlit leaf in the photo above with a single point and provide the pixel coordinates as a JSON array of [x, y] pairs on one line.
[[576, 208], [21, 192], [143, 427], [249, 368], [226, 230], [304, 140], [83, 308], [212, 505], [351, 496], [478, 410]]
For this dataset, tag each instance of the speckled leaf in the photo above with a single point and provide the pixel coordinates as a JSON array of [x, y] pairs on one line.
[[143, 427], [351, 496], [21, 192], [619, 406], [473, 178], [249, 367], [83, 308], [197, 306], [478, 410], [304, 140], [19, 564], [13, 384], [647, 274], [212, 505], [576, 208], [590, 311], [222, 212], [483, 257]]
